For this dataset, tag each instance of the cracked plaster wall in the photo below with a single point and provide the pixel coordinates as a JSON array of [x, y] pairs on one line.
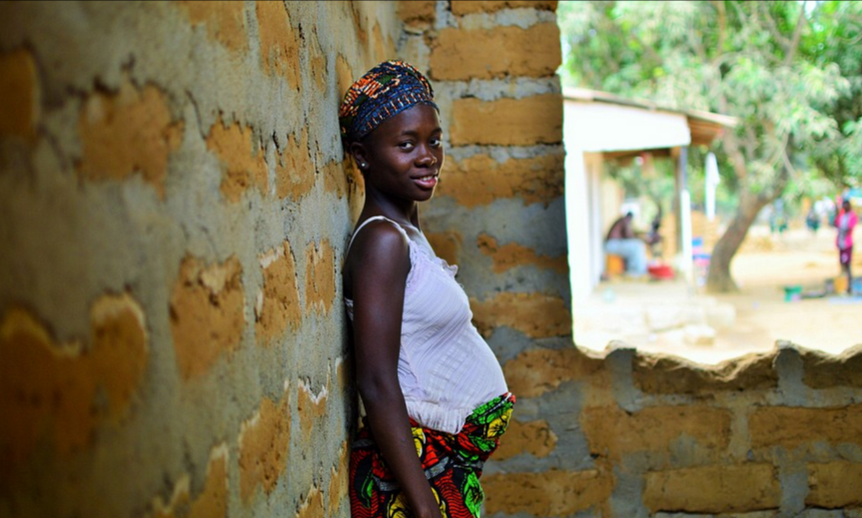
[[174, 204]]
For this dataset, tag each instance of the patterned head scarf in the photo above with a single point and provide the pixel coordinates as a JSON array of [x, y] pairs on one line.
[[383, 92]]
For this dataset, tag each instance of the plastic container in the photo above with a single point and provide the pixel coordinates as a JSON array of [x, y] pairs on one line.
[[660, 271], [792, 293], [840, 284]]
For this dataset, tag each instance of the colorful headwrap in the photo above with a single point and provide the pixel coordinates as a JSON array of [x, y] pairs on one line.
[[383, 92]]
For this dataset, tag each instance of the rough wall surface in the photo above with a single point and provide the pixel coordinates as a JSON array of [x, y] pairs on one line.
[[627, 434], [173, 212]]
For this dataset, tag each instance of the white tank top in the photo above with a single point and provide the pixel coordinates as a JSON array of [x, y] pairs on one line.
[[445, 369]]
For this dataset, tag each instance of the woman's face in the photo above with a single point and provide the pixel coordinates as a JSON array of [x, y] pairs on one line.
[[404, 155]]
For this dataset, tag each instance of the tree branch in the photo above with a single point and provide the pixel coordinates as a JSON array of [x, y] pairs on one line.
[[797, 36], [722, 26], [773, 29]]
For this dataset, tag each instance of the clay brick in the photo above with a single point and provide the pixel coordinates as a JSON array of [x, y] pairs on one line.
[[447, 245], [206, 313], [462, 55], [344, 74], [120, 351], [614, 433], [823, 370], [318, 62], [264, 445], [179, 499], [834, 485], [658, 374], [126, 133], [537, 371], [533, 437], [335, 177], [462, 7], [793, 426], [535, 314], [224, 20], [19, 95], [279, 43], [713, 489], [550, 493], [211, 502], [508, 122], [338, 480], [382, 46], [417, 13], [512, 255], [479, 180], [311, 408], [277, 308], [62, 390], [312, 506], [294, 172], [243, 161], [319, 277]]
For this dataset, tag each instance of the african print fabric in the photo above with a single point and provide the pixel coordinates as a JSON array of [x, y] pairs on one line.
[[452, 464], [383, 92]]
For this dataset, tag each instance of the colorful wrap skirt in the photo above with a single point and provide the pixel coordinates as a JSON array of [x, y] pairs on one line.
[[452, 464]]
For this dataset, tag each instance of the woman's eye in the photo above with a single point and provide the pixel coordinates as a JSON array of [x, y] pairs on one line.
[[436, 142], [406, 145]]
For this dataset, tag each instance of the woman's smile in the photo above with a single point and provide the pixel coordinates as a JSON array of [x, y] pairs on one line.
[[428, 181]]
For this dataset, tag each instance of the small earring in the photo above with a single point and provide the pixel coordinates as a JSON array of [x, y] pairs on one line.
[[363, 165]]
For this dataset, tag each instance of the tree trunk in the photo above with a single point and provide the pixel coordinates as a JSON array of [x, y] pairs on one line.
[[718, 279]]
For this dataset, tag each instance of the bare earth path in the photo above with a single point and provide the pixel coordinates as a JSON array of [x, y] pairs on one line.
[[669, 317]]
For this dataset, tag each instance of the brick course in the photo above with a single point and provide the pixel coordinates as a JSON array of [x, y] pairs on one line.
[[508, 122], [834, 485], [653, 430], [550, 493], [792, 427], [713, 489], [479, 180], [459, 54]]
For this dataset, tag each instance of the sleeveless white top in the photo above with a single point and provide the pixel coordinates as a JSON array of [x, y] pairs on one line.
[[445, 368]]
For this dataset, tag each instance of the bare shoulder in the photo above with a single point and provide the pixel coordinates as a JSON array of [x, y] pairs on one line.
[[380, 251]]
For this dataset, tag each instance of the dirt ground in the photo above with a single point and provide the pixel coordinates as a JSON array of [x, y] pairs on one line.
[[671, 317]]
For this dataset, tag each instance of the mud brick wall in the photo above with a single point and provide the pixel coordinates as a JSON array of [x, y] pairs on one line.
[[173, 213], [626, 434]]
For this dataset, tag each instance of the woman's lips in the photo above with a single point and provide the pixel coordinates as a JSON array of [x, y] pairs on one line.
[[428, 181]]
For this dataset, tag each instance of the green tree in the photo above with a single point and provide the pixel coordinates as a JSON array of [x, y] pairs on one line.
[[774, 65]]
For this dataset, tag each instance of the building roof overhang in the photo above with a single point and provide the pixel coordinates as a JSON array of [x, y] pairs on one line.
[[703, 126]]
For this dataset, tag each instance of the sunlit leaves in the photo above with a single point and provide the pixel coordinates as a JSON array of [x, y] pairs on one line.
[[791, 71]]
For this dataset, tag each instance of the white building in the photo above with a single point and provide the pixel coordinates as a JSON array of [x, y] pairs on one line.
[[598, 127]]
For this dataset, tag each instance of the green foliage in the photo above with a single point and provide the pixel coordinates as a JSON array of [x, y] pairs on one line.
[[790, 71]]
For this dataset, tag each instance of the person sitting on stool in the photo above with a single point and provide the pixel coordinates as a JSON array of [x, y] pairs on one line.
[[621, 241]]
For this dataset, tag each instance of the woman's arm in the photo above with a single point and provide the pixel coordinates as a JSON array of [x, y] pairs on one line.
[[378, 273]]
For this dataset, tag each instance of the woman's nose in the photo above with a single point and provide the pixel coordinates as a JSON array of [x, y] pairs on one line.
[[427, 158]]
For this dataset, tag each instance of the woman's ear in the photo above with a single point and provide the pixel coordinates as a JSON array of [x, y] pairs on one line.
[[359, 154]]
